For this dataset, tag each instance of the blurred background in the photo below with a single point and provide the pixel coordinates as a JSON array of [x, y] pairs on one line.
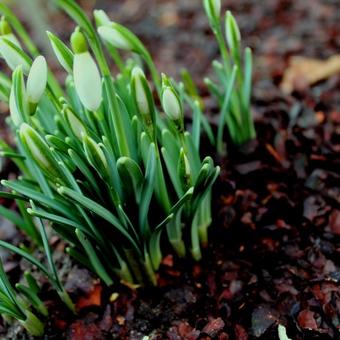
[[177, 32]]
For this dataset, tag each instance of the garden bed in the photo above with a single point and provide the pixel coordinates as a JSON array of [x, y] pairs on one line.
[[274, 243]]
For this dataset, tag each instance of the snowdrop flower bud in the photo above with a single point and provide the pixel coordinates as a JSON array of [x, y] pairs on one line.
[[170, 100], [36, 81], [95, 155], [171, 104], [39, 151], [233, 34], [139, 91], [216, 7], [76, 125], [101, 18], [213, 10], [87, 80], [112, 35]]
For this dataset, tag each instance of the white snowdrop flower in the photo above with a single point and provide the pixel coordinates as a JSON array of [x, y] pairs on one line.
[[171, 104], [37, 80], [87, 80], [111, 35]]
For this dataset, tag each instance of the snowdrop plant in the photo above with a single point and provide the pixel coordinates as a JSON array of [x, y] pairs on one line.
[[118, 177], [12, 305], [232, 89]]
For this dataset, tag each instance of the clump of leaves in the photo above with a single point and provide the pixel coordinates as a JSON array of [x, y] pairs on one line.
[[117, 176]]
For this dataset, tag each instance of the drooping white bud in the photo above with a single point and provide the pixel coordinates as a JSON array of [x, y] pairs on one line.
[[37, 80], [87, 81], [171, 104], [113, 36]]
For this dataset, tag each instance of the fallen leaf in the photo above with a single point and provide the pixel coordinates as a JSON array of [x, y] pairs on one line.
[[303, 72], [92, 299], [306, 320]]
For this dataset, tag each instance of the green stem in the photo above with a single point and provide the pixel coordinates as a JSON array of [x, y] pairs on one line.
[[32, 324], [65, 297]]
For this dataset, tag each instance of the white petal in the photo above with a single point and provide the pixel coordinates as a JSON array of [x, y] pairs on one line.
[[12, 57], [171, 105], [37, 80], [114, 37], [87, 81]]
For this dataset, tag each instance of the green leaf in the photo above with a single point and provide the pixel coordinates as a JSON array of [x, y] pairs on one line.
[[147, 190], [60, 206], [95, 262], [12, 216], [131, 176], [62, 52], [99, 210], [224, 111], [28, 257]]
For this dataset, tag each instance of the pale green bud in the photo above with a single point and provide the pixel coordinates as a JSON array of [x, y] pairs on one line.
[[76, 125], [216, 7], [101, 18], [87, 81], [213, 10], [113, 36], [37, 80], [171, 103], [95, 155], [78, 42], [139, 91], [39, 151], [233, 34]]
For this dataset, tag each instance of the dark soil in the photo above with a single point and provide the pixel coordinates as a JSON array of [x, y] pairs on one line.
[[274, 249]]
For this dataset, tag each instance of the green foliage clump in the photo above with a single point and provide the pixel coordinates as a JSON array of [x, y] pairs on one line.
[[118, 177]]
